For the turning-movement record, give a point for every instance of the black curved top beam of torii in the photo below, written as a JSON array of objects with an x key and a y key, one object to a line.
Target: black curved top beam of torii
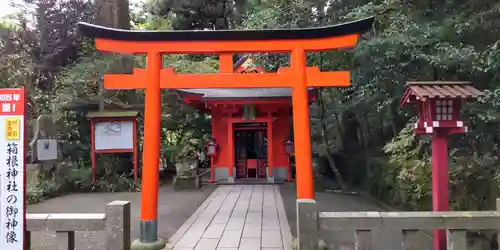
[{"x": 355, "y": 27}]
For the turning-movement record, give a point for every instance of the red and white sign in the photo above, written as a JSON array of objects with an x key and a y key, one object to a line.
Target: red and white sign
[
  {"x": 12, "y": 169},
  {"x": 12, "y": 102}
]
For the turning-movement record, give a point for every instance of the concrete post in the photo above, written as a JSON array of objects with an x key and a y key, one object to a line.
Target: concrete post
[
  {"x": 362, "y": 240},
  {"x": 411, "y": 240},
  {"x": 307, "y": 224},
  {"x": 65, "y": 240},
  {"x": 498, "y": 210},
  {"x": 457, "y": 239},
  {"x": 118, "y": 225},
  {"x": 27, "y": 240}
]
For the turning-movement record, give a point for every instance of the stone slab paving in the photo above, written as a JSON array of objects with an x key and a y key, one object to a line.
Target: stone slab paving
[{"x": 249, "y": 217}]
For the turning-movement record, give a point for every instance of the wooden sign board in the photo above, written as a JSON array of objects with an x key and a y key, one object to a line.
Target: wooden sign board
[
  {"x": 111, "y": 135},
  {"x": 12, "y": 169}
]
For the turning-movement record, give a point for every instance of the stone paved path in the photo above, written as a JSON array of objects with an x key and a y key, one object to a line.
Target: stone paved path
[{"x": 237, "y": 218}]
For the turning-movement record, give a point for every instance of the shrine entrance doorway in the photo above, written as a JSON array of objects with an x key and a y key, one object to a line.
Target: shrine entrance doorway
[{"x": 250, "y": 147}]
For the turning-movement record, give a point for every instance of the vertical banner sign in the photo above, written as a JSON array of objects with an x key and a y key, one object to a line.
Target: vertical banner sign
[{"x": 12, "y": 169}]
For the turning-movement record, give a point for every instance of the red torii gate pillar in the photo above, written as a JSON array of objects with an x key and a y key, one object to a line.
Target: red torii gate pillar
[{"x": 299, "y": 78}]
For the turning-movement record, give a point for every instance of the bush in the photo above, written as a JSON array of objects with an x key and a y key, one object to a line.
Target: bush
[
  {"x": 79, "y": 180},
  {"x": 45, "y": 189},
  {"x": 404, "y": 178}
]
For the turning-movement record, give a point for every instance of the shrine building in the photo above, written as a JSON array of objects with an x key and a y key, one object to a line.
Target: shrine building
[{"x": 251, "y": 127}]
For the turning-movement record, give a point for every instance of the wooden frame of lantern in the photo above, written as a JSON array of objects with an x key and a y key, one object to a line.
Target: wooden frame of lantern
[
  {"x": 289, "y": 150},
  {"x": 212, "y": 152},
  {"x": 439, "y": 105},
  {"x": 105, "y": 139}
]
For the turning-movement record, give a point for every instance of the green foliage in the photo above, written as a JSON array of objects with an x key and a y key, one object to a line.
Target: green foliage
[
  {"x": 46, "y": 189},
  {"x": 408, "y": 171},
  {"x": 189, "y": 151},
  {"x": 78, "y": 180},
  {"x": 198, "y": 14}
]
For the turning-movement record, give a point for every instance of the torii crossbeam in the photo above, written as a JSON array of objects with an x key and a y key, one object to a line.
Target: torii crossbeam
[{"x": 154, "y": 78}]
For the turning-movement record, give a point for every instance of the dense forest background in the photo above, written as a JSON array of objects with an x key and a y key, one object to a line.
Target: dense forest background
[{"x": 360, "y": 131}]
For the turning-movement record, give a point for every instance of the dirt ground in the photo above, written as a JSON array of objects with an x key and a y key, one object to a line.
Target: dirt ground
[
  {"x": 343, "y": 240},
  {"x": 174, "y": 208}
]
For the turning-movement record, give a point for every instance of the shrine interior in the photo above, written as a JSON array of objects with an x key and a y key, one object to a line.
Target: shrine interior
[{"x": 250, "y": 147}]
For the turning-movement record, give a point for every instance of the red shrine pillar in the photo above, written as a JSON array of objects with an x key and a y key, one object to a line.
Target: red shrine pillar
[
  {"x": 151, "y": 153},
  {"x": 226, "y": 66},
  {"x": 440, "y": 200},
  {"x": 302, "y": 127}
]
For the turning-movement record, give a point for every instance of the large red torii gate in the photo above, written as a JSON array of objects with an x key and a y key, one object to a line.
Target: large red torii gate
[{"x": 224, "y": 42}]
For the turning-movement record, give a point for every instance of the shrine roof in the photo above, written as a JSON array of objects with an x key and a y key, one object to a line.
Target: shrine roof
[
  {"x": 112, "y": 114},
  {"x": 239, "y": 93},
  {"x": 96, "y": 31},
  {"x": 437, "y": 89}
]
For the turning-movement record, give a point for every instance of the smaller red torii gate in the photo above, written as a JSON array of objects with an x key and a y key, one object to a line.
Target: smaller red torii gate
[{"x": 154, "y": 78}]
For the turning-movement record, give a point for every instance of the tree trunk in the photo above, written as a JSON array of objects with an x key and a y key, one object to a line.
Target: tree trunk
[
  {"x": 329, "y": 154},
  {"x": 113, "y": 14},
  {"x": 368, "y": 131},
  {"x": 339, "y": 125}
]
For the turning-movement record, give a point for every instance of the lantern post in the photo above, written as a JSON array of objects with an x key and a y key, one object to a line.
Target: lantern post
[
  {"x": 439, "y": 106},
  {"x": 289, "y": 149},
  {"x": 212, "y": 152}
]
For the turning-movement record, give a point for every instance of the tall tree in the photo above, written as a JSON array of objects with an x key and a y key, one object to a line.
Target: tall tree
[
  {"x": 56, "y": 44},
  {"x": 200, "y": 14},
  {"x": 113, "y": 13}
]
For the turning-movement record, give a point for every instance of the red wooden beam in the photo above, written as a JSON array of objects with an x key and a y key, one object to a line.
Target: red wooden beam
[
  {"x": 208, "y": 47},
  {"x": 285, "y": 78}
]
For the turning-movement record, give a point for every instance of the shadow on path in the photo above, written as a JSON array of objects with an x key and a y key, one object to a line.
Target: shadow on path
[{"x": 174, "y": 207}]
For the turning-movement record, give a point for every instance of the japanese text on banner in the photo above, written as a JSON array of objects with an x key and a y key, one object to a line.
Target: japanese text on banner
[
  {"x": 12, "y": 127},
  {"x": 12, "y": 201},
  {"x": 12, "y": 208},
  {"x": 11, "y": 102}
]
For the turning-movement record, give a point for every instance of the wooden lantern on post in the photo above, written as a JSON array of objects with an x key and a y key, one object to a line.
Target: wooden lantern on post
[
  {"x": 439, "y": 106},
  {"x": 212, "y": 152},
  {"x": 111, "y": 133},
  {"x": 289, "y": 149}
]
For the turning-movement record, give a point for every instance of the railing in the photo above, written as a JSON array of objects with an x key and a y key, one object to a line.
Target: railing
[
  {"x": 409, "y": 223},
  {"x": 115, "y": 224}
]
